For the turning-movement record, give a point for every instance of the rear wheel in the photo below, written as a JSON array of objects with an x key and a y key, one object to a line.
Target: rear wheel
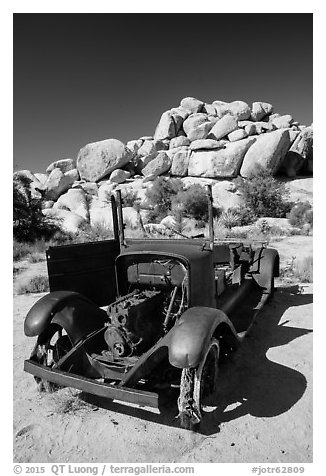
[
  {"x": 198, "y": 388},
  {"x": 50, "y": 348}
]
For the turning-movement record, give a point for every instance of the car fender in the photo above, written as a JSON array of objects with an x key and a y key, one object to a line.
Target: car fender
[
  {"x": 265, "y": 266},
  {"x": 74, "y": 312},
  {"x": 188, "y": 340}
]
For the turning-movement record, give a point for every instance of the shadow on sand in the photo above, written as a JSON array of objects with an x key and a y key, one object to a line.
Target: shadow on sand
[{"x": 249, "y": 382}]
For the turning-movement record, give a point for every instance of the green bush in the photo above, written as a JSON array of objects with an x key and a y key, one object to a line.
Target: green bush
[
  {"x": 193, "y": 201},
  {"x": 161, "y": 195},
  {"x": 263, "y": 195},
  {"x": 300, "y": 214}
]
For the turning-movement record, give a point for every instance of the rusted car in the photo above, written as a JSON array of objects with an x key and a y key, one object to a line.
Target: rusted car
[{"x": 124, "y": 317}]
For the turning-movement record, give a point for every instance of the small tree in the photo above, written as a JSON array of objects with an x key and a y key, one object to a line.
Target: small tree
[
  {"x": 264, "y": 195},
  {"x": 194, "y": 202},
  {"x": 29, "y": 223}
]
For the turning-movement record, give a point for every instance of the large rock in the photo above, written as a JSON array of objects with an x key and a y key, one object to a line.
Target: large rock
[
  {"x": 239, "y": 109},
  {"x": 75, "y": 201},
  {"x": 63, "y": 164},
  {"x": 101, "y": 214},
  {"x": 180, "y": 112},
  {"x": 223, "y": 127},
  {"x": 160, "y": 164},
  {"x": 225, "y": 195},
  {"x": 237, "y": 135},
  {"x": 193, "y": 121},
  {"x": 180, "y": 162},
  {"x": 299, "y": 153},
  {"x": 130, "y": 217},
  {"x": 259, "y": 110},
  {"x": 67, "y": 220},
  {"x": 192, "y": 104},
  {"x": 207, "y": 144},
  {"x": 166, "y": 127},
  {"x": 268, "y": 152},
  {"x": 143, "y": 161},
  {"x": 220, "y": 163},
  {"x": 179, "y": 142},
  {"x": 301, "y": 189},
  {"x": 98, "y": 159},
  {"x": 90, "y": 188},
  {"x": 42, "y": 178},
  {"x": 119, "y": 176},
  {"x": 221, "y": 108},
  {"x": 147, "y": 148},
  {"x": 73, "y": 175},
  {"x": 200, "y": 132},
  {"x": 209, "y": 109},
  {"x": 134, "y": 145},
  {"x": 283, "y": 121},
  {"x": 58, "y": 183},
  {"x": 105, "y": 191}
]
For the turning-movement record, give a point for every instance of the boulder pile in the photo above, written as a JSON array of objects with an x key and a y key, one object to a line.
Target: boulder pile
[{"x": 196, "y": 141}]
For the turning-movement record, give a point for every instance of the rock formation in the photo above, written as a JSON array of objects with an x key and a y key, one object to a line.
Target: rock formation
[{"x": 196, "y": 141}]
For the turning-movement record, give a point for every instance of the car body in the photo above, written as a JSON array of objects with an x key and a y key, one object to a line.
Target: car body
[{"x": 124, "y": 317}]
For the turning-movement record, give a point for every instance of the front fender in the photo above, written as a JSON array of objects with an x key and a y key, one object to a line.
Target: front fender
[
  {"x": 190, "y": 337},
  {"x": 74, "y": 312}
]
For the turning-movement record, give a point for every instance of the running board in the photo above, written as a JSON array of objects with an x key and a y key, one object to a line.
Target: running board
[{"x": 106, "y": 390}]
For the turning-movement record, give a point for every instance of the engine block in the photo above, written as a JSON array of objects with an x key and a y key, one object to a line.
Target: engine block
[{"x": 135, "y": 323}]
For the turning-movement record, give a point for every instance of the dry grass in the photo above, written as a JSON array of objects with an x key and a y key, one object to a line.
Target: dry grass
[
  {"x": 35, "y": 284},
  {"x": 298, "y": 270},
  {"x": 303, "y": 270}
]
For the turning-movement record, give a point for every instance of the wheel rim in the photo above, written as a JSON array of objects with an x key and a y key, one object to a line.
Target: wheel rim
[{"x": 49, "y": 350}]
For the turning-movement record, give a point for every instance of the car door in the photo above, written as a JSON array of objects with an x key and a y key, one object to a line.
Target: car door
[{"x": 87, "y": 268}]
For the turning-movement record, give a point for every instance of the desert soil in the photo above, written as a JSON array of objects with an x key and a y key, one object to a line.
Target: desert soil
[{"x": 264, "y": 410}]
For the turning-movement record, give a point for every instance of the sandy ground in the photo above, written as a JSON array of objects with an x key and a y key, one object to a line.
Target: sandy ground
[{"x": 264, "y": 410}]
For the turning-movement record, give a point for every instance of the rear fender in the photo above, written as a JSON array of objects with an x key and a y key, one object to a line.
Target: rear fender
[
  {"x": 265, "y": 266},
  {"x": 189, "y": 338},
  {"x": 74, "y": 312}
]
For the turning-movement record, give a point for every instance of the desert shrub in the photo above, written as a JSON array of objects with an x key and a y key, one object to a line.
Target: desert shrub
[
  {"x": 37, "y": 257},
  {"x": 161, "y": 195},
  {"x": 263, "y": 195},
  {"x": 36, "y": 284},
  {"x": 193, "y": 202},
  {"x": 229, "y": 218},
  {"x": 97, "y": 232},
  {"x": 245, "y": 215},
  {"x": 61, "y": 238},
  {"x": 301, "y": 213},
  {"x": 130, "y": 199},
  {"x": 29, "y": 223}
]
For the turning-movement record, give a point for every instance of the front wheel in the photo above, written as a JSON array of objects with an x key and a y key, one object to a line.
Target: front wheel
[
  {"x": 51, "y": 346},
  {"x": 198, "y": 387}
]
